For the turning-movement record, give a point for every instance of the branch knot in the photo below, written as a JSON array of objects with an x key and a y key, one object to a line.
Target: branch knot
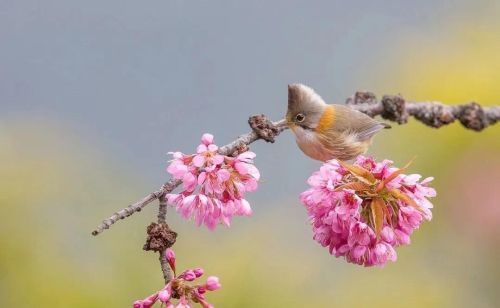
[
  {"x": 394, "y": 108},
  {"x": 160, "y": 237},
  {"x": 472, "y": 116},
  {"x": 365, "y": 102},
  {"x": 362, "y": 98},
  {"x": 434, "y": 114},
  {"x": 263, "y": 127}
]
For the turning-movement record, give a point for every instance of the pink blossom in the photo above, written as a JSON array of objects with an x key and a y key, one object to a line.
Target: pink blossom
[
  {"x": 207, "y": 156},
  {"x": 381, "y": 253},
  {"x": 360, "y": 234},
  {"x": 402, "y": 237},
  {"x": 363, "y": 211},
  {"x": 419, "y": 192},
  {"x": 244, "y": 165},
  {"x": 323, "y": 182},
  {"x": 348, "y": 204},
  {"x": 409, "y": 219},
  {"x": 181, "y": 287},
  {"x": 177, "y": 168},
  {"x": 214, "y": 185},
  {"x": 356, "y": 254},
  {"x": 388, "y": 235}
]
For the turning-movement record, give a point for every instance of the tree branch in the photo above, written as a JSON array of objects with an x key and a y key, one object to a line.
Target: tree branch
[
  {"x": 162, "y": 215},
  {"x": 162, "y": 210},
  {"x": 435, "y": 114},
  {"x": 265, "y": 132},
  {"x": 136, "y": 207},
  {"x": 391, "y": 107}
]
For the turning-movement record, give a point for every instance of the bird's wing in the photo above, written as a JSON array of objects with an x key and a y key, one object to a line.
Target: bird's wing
[{"x": 355, "y": 122}]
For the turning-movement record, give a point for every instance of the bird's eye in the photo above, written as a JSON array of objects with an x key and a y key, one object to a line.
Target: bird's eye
[{"x": 300, "y": 117}]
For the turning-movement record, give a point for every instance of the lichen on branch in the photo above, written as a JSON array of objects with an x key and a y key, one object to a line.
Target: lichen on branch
[{"x": 435, "y": 114}]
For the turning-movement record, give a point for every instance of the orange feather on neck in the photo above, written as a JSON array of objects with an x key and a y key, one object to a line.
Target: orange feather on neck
[{"x": 326, "y": 120}]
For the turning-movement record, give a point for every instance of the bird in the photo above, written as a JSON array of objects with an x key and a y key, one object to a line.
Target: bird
[{"x": 324, "y": 132}]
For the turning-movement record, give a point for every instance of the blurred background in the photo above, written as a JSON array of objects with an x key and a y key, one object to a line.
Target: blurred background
[{"x": 94, "y": 94}]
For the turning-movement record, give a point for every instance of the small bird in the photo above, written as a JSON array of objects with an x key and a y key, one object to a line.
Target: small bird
[{"x": 325, "y": 132}]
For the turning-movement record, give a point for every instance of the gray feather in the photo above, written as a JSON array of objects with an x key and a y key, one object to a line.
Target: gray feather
[{"x": 348, "y": 119}]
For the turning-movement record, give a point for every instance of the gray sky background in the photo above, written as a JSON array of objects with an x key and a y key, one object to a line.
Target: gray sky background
[{"x": 137, "y": 79}]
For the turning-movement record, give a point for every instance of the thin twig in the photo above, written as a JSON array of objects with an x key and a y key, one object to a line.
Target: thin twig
[
  {"x": 171, "y": 184},
  {"x": 162, "y": 210},
  {"x": 165, "y": 267},
  {"x": 136, "y": 207},
  {"x": 162, "y": 215}
]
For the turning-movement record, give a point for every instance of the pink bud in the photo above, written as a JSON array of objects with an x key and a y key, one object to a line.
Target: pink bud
[
  {"x": 195, "y": 294},
  {"x": 170, "y": 256},
  {"x": 138, "y": 304},
  {"x": 207, "y": 139},
  {"x": 213, "y": 283},
  {"x": 201, "y": 290},
  {"x": 198, "y": 272},
  {"x": 188, "y": 275},
  {"x": 150, "y": 301},
  {"x": 164, "y": 295}
]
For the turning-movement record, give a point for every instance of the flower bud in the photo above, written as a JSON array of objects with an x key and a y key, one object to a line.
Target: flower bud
[
  {"x": 164, "y": 295},
  {"x": 188, "y": 275},
  {"x": 213, "y": 283},
  {"x": 170, "y": 256},
  {"x": 207, "y": 139},
  {"x": 201, "y": 290},
  {"x": 198, "y": 272}
]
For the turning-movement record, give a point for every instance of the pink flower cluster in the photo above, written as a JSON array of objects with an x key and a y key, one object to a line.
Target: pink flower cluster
[
  {"x": 179, "y": 288},
  {"x": 214, "y": 185},
  {"x": 363, "y": 211}
]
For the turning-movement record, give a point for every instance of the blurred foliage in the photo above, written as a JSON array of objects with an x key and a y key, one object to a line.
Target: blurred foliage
[{"x": 55, "y": 187}]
